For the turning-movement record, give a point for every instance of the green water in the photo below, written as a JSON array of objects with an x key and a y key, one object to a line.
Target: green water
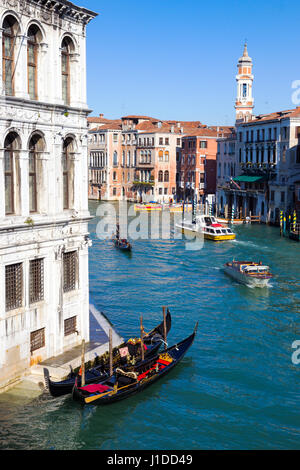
[{"x": 237, "y": 387}]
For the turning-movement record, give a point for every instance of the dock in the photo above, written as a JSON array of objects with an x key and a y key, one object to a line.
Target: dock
[{"x": 59, "y": 367}]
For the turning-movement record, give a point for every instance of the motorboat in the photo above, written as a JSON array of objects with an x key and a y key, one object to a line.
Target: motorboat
[
  {"x": 208, "y": 227},
  {"x": 150, "y": 206},
  {"x": 249, "y": 273}
]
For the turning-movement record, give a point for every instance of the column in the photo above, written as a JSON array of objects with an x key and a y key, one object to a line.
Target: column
[
  {"x": 21, "y": 75},
  {"x": 2, "y": 184},
  {"x": 24, "y": 182}
]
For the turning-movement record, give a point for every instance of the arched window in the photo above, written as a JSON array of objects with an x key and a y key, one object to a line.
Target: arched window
[
  {"x": 36, "y": 146},
  {"x": 11, "y": 172},
  {"x": 160, "y": 176},
  {"x": 166, "y": 156},
  {"x": 10, "y": 27},
  {"x": 34, "y": 37},
  {"x": 128, "y": 158},
  {"x": 161, "y": 155},
  {"x": 115, "y": 158},
  {"x": 166, "y": 177},
  {"x": 68, "y": 173},
  {"x": 66, "y": 49}
]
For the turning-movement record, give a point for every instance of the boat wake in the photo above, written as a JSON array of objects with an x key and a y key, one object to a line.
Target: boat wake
[{"x": 252, "y": 245}]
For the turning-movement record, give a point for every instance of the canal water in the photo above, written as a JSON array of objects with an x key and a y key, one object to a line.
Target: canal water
[{"x": 237, "y": 387}]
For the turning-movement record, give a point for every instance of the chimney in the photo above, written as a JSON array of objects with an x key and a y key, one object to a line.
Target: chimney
[
  {"x": 172, "y": 129},
  {"x": 101, "y": 115}
]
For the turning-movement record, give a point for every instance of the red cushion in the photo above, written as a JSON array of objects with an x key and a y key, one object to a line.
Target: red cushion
[{"x": 95, "y": 388}]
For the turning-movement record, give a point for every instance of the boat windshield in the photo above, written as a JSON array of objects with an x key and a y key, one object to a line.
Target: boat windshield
[
  {"x": 209, "y": 220},
  {"x": 256, "y": 269}
]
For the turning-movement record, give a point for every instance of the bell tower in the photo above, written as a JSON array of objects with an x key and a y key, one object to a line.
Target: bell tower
[{"x": 244, "y": 102}]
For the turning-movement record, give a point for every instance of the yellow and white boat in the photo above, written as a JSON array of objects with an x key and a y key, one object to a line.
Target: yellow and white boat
[
  {"x": 179, "y": 208},
  {"x": 207, "y": 226},
  {"x": 150, "y": 206}
]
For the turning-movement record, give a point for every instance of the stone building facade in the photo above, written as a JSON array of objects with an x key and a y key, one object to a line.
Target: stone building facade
[
  {"x": 44, "y": 296},
  {"x": 259, "y": 164}
]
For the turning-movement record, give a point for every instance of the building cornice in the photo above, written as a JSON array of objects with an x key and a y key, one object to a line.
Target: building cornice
[{"x": 62, "y": 8}]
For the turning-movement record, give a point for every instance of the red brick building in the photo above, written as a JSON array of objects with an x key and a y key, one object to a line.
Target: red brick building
[{"x": 197, "y": 164}]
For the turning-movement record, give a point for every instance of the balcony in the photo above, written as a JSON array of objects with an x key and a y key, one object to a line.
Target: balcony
[{"x": 145, "y": 164}]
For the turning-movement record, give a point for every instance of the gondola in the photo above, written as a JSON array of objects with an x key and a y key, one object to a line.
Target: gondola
[
  {"x": 152, "y": 341},
  {"x": 131, "y": 380},
  {"x": 122, "y": 244}
]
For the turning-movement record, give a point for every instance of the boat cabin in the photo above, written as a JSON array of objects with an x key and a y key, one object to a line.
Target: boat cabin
[{"x": 248, "y": 267}]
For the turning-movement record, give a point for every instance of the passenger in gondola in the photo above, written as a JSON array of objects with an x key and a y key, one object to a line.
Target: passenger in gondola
[{"x": 118, "y": 231}]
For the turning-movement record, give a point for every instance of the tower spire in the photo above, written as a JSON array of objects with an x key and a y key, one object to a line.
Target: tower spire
[{"x": 244, "y": 102}]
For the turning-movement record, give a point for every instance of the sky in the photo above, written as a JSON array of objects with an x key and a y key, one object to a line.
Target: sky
[{"x": 177, "y": 60}]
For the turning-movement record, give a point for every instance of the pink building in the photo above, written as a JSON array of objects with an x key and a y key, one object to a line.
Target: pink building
[{"x": 138, "y": 158}]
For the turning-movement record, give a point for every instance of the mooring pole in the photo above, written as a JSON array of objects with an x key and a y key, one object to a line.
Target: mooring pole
[
  {"x": 110, "y": 353},
  {"x": 83, "y": 363},
  {"x": 142, "y": 339},
  {"x": 165, "y": 327}
]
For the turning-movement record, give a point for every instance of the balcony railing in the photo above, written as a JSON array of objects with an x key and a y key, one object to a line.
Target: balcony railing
[{"x": 138, "y": 182}]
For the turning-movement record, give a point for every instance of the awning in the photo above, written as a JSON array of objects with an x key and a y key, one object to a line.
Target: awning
[{"x": 248, "y": 179}]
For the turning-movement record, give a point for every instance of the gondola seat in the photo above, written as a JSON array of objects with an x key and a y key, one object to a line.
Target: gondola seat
[{"x": 93, "y": 388}]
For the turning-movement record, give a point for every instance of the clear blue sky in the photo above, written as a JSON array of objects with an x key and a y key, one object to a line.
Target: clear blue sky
[{"x": 174, "y": 59}]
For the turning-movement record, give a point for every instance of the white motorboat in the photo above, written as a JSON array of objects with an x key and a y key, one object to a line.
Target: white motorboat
[
  {"x": 249, "y": 273},
  {"x": 207, "y": 226}
]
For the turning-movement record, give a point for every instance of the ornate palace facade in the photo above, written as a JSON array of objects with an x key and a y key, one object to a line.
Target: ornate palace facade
[{"x": 44, "y": 300}]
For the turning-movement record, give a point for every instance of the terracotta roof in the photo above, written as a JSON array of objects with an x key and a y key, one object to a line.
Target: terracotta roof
[
  {"x": 113, "y": 125},
  {"x": 277, "y": 116},
  {"x": 140, "y": 117}
]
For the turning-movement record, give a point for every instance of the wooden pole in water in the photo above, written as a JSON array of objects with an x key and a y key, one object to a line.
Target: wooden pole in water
[
  {"x": 110, "y": 353},
  {"x": 142, "y": 339},
  {"x": 165, "y": 327},
  {"x": 83, "y": 363}
]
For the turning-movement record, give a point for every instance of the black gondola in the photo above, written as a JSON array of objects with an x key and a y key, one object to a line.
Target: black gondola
[
  {"x": 152, "y": 341},
  {"x": 122, "y": 244},
  {"x": 131, "y": 380}
]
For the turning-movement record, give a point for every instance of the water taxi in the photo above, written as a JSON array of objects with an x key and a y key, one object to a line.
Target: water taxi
[
  {"x": 249, "y": 273},
  {"x": 150, "y": 206},
  {"x": 207, "y": 226},
  {"x": 179, "y": 208}
]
